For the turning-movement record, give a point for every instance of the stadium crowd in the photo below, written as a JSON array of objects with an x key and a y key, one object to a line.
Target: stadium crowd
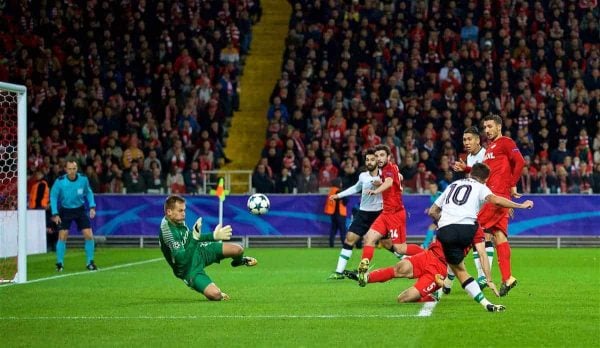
[
  {"x": 415, "y": 74},
  {"x": 138, "y": 92},
  {"x": 147, "y": 115}
]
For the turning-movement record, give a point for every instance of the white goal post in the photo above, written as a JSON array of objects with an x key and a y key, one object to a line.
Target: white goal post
[{"x": 10, "y": 90}]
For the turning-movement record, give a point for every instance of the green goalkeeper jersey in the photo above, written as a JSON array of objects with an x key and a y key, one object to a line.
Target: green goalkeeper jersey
[{"x": 178, "y": 246}]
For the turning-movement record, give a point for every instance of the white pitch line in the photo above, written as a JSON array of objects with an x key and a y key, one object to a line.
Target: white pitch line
[
  {"x": 428, "y": 307},
  {"x": 196, "y": 317},
  {"x": 85, "y": 272}
]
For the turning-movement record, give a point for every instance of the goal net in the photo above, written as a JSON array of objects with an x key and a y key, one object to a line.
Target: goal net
[{"x": 13, "y": 183}]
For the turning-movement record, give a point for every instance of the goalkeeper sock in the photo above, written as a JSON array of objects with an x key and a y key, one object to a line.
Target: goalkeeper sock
[
  {"x": 368, "y": 252},
  {"x": 382, "y": 275},
  {"x": 504, "y": 260},
  {"x": 428, "y": 238},
  {"x": 345, "y": 255},
  {"x": 89, "y": 247},
  {"x": 61, "y": 249},
  {"x": 472, "y": 288}
]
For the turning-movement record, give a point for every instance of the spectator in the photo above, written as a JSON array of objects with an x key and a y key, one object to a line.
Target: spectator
[
  {"x": 152, "y": 159},
  {"x": 193, "y": 178},
  {"x": 134, "y": 180},
  {"x": 409, "y": 170},
  {"x": 133, "y": 152},
  {"x": 175, "y": 181},
  {"x": 595, "y": 179},
  {"x": 558, "y": 155},
  {"x": 155, "y": 182},
  {"x": 285, "y": 182},
  {"x": 307, "y": 181},
  {"x": 327, "y": 173},
  {"x": 261, "y": 181}
]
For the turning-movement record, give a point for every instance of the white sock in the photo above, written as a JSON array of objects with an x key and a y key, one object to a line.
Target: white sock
[
  {"x": 345, "y": 255},
  {"x": 475, "y": 292},
  {"x": 490, "y": 254},
  {"x": 451, "y": 274},
  {"x": 478, "y": 264}
]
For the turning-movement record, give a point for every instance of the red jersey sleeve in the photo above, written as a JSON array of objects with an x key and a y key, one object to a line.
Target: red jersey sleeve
[{"x": 515, "y": 159}]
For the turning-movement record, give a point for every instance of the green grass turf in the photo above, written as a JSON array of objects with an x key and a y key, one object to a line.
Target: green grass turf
[{"x": 286, "y": 301}]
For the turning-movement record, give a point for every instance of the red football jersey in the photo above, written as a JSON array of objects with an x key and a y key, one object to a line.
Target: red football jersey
[
  {"x": 505, "y": 162},
  {"x": 436, "y": 249},
  {"x": 392, "y": 197}
]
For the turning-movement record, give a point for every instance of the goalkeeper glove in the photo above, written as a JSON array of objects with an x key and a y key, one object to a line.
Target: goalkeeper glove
[
  {"x": 197, "y": 228},
  {"x": 222, "y": 233}
]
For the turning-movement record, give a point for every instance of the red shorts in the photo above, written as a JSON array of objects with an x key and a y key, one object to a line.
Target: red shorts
[
  {"x": 425, "y": 267},
  {"x": 392, "y": 225},
  {"x": 492, "y": 217}
]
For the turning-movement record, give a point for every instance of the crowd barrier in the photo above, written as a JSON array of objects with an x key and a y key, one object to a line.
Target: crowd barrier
[{"x": 302, "y": 215}]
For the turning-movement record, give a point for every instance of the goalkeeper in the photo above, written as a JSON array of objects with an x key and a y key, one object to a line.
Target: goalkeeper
[{"x": 188, "y": 252}]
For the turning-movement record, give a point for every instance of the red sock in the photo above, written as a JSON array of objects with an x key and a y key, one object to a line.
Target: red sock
[
  {"x": 368, "y": 252},
  {"x": 426, "y": 298},
  {"x": 413, "y": 249},
  {"x": 381, "y": 275},
  {"x": 503, "y": 251}
]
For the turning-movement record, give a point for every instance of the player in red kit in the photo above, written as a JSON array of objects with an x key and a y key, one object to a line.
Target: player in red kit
[
  {"x": 428, "y": 267},
  {"x": 506, "y": 162},
  {"x": 392, "y": 220}
]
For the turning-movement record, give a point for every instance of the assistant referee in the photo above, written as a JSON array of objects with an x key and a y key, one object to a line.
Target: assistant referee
[{"x": 67, "y": 202}]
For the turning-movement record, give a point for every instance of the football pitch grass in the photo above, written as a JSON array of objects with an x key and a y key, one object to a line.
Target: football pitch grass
[{"x": 287, "y": 301}]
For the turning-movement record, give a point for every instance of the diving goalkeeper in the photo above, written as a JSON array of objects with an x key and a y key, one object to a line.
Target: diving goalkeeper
[{"x": 188, "y": 252}]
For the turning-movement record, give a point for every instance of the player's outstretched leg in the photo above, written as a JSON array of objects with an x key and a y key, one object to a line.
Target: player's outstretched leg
[
  {"x": 244, "y": 261},
  {"x": 236, "y": 252},
  {"x": 495, "y": 308},
  {"x": 506, "y": 286},
  {"x": 472, "y": 288},
  {"x": 363, "y": 278},
  {"x": 447, "y": 288},
  {"x": 336, "y": 276},
  {"x": 363, "y": 269},
  {"x": 352, "y": 275}
]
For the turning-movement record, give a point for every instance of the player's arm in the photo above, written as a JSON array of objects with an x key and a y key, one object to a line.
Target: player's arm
[
  {"x": 54, "y": 193},
  {"x": 435, "y": 212},
  {"x": 387, "y": 183},
  {"x": 485, "y": 265},
  {"x": 89, "y": 195},
  {"x": 461, "y": 166},
  {"x": 517, "y": 162},
  {"x": 506, "y": 203},
  {"x": 349, "y": 191},
  {"x": 220, "y": 232}
]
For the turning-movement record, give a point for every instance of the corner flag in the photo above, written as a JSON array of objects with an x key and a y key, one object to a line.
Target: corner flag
[{"x": 220, "y": 191}]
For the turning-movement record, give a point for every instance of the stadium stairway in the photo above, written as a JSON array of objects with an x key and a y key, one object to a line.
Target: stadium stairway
[{"x": 246, "y": 135}]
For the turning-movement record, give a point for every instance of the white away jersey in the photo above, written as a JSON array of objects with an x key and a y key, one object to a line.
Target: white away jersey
[
  {"x": 476, "y": 158},
  {"x": 364, "y": 183},
  {"x": 461, "y": 201}
]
